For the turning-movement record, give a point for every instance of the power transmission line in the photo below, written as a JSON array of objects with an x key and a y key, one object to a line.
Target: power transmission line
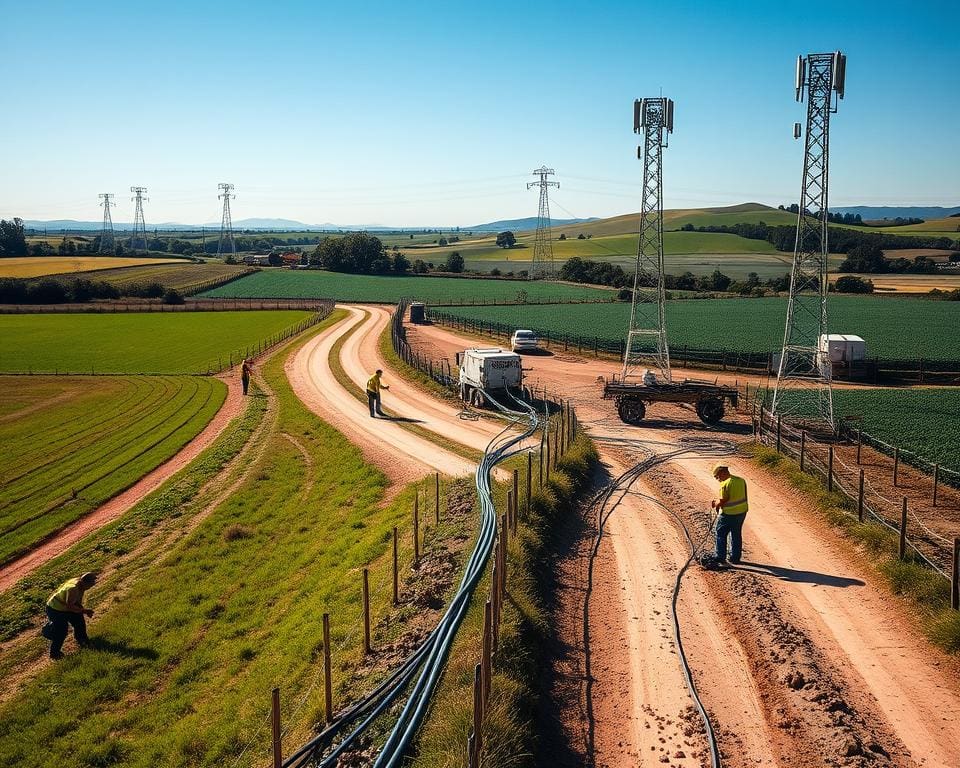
[
  {"x": 107, "y": 244},
  {"x": 804, "y": 389},
  {"x": 139, "y": 240},
  {"x": 543, "y": 265},
  {"x": 227, "y": 246},
  {"x": 647, "y": 335}
]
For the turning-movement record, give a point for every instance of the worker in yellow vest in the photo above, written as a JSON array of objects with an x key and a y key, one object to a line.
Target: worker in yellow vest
[
  {"x": 732, "y": 511},
  {"x": 374, "y": 385},
  {"x": 65, "y": 609}
]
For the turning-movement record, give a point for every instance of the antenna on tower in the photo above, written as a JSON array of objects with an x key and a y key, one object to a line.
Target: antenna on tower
[
  {"x": 804, "y": 389},
  {"x": 543, "y": 265},
  {"x": 139, "y": 240},
  {"x": 107, "y": 244},
  {"x": 227, "y": 246},
  {"x": 647, "y": 335}
]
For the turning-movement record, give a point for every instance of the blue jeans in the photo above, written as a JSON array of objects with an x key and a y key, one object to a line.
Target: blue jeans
[
  {"x": 59, "y": 623},
  {"x": 732, "y": 526}
]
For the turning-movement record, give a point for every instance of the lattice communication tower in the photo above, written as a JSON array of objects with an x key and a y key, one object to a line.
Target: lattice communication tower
[
  {"x": 543, "y": 264},
  {"x": 139, "y": 240},
  {"x": 646, "y": 346},
  {"x": 107, "y": 241},
  {"x": 803, "y": 392},
  {"x": 227, "y": 246}
]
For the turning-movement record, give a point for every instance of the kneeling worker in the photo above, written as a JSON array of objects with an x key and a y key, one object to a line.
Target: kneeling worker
[
  {"x": 374, "y": 385},
  {"x": 732, "y": 508},
  {"x": 65, "y": 608}
]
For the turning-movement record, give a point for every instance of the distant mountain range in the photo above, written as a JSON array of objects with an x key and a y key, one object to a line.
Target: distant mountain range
[{"x": 875, "y": 212}]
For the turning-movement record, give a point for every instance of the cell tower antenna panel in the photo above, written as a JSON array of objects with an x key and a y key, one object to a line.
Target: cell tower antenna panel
[
  {"x": 804, "y": 389},
  {"x": 107, "y": 241},
  {"x": 139, "y": 240},
  {"x": 543, "y": 264},
  {"x": 646, "y": 346},
  {"x": 227, "y": 246}
]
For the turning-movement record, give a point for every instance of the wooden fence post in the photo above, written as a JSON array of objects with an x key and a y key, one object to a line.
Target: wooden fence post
[
  {"x": 516, "y": 496},
  {"x": 486, "y": 649},
  {"x": 547, "y": 441},
  {"x": 903, "y": 529},
  {"x": 779, "y": 421},
  {"x": 529, "y": 483},
  {"x": 896, "y": 465},
  {"x": 509, "y": 514},
  {"x": 936, "y": 482},
  {"x": 416, "y": 529},
  {"x": 275, "y": 723},
  {"x": 327, "y": 682},
  {"x": 803, "y": 445},
  {"x": 366, "y": 611},
  {"x": 860, "y": 499},
  {"x": 436, "y": 495},
  {"x": 955, "y": 581},
  {"x": 859, "y": 443},
  {"x": 540, "y": 459},
  {"x": 396, "y": 574},
  {"x": 830, "y": 468}
]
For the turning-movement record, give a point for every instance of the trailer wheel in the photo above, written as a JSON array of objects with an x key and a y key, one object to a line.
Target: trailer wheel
[
  {"x": 631, "y": 410},
  {"x": 710, "y": 410}
]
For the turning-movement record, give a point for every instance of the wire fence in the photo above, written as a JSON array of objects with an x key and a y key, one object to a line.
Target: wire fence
[
  {"x": 818, "y": 457},
  {"x": 157, "y": 305},
  {"x": 875, "y": 370}
]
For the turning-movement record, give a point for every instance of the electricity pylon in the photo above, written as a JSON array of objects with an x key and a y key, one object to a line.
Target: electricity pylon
[
  {"x": 543, "y": 265},
  {"x": 227, "y": 246},
  {"x": 804, "y": 389},
  {"x": 139, "y": 240},
  {"x": 646, "y": 346},
  {"x": 107, "y": 244}
]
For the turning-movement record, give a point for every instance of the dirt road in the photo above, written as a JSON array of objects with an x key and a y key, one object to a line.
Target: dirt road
[
  {"x": 802, "y": 658},
  {"x": 119, "y": 504}
]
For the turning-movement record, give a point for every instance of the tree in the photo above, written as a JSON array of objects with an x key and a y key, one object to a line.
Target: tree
[
  {"x": 852, "y": 284},
  {"x": 581, "y": 236},
  {"x": 420, "y": 267},
  {"x": 454, "y": 262},
  {"x": 443, "y": 242},
  {"x": 401, "y": 264},
  {"x": 13, "y": 242},
  {"x": 563, "y": 236},
  {"x": 506, "y": 239},
  {"x": 866, "y": 257}
]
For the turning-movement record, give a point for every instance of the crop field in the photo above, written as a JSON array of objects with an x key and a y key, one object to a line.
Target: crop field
[
  {"x": 924, "y": 421},
  {"x": 180, "y": 669},
  {"x": 181, "y": 277},
  {"x": 149, "y": 342},
  {"x": 38, "y": 266},
  {"x": 900, "y": 328},
  {"x": 302, "y": 284},
  {"x": 71, "y": 443}
]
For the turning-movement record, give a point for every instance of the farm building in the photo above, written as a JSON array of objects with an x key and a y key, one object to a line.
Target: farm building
[{"x": 257, "y": 260}]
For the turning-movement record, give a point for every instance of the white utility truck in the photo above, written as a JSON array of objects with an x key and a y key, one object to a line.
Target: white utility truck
[{"x": 491, "y": 370}]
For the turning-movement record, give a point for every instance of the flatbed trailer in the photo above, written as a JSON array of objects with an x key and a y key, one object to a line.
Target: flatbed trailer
[{"x": 632, "y": 398}]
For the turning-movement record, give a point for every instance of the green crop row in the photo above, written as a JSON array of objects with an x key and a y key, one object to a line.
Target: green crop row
[
  {"x": 892, "y": 328},
  {"x": 310, "y": 284},
  {"x": 99, "y": 437}
]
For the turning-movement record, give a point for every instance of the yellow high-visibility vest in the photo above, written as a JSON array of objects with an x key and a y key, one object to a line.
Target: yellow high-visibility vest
[
  {"x": 58, "y": 600},
  {"x": 733, "y": 496},
  {"x": 373, "y": 383}
]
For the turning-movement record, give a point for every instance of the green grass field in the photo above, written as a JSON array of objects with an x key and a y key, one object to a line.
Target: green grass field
[
  {"x": 182, "y": 664},
  {"x": 924, "y": 421},
  {"x": 342, "y": 287},
  {"x": 149, "y": 342},
  {"x": 893, "y": 328},
  {"x": 71, "y": 443}
]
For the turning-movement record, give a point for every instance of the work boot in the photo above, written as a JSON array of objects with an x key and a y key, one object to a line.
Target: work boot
[
  {"x": 56, "y": 655},
  {"x": 47, "y": 631}
]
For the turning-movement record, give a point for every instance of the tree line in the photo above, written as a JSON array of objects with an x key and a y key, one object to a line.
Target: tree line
[
  {"x": 50, "y": 290},
  {"x": 361, "y": 253}
]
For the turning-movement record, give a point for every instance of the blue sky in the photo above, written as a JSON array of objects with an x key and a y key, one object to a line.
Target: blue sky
[{"x": 435, "y": 113}]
